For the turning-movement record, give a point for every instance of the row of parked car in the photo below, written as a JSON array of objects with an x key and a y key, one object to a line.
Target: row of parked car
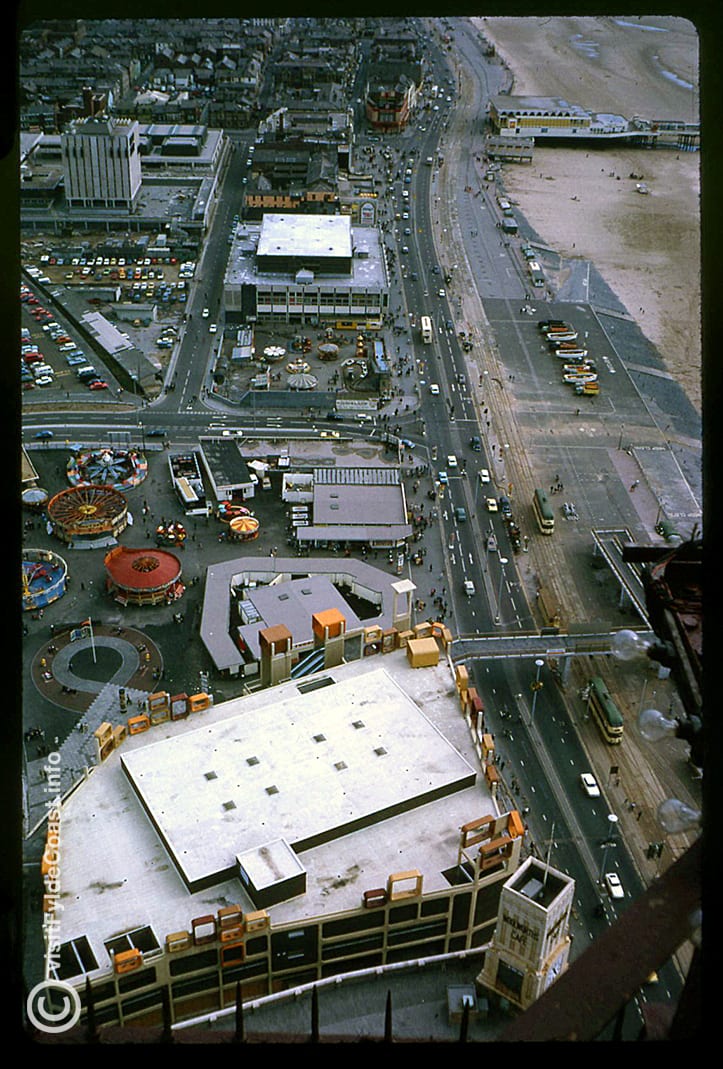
[{"x": 34, "y": 368}]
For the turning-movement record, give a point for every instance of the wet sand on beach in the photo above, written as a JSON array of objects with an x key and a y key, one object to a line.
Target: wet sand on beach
[{"x": 582, "y": 202}]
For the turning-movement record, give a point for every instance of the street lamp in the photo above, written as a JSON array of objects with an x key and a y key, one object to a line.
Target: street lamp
[
  {"x": 609, "y": 841},
  {"x": 536, "y": 686},
  {"x": 503, "y": 561}
]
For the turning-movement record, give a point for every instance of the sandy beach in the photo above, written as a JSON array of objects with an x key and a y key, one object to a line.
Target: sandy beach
[{"x": 582, "y": 201}]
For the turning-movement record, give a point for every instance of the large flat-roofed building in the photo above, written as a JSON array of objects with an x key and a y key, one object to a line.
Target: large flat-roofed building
[
  {"x": 361, "y": 505},
  {"x": 323, "y": 245},
  {"x": 305, "y": 268},
  {"x": 347, "y": 821}
]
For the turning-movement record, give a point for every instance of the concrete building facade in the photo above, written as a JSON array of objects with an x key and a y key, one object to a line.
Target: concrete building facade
[{"x": 102, "y": 163}]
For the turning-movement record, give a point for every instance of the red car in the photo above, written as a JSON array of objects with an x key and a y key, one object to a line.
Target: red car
[{"x": 98, "y": 384}]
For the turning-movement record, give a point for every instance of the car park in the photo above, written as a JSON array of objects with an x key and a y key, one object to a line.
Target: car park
[
  {"x": 614, "y": 886},
  {"x": 589, "y": 785},
  {"x": 491, "y": 504}
]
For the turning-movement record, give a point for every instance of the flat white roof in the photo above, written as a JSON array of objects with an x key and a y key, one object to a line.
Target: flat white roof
[
  {"x": 307, "y": 769},
  {"x": 117, "y": 875},
  {"x": 305, "y": 235}
]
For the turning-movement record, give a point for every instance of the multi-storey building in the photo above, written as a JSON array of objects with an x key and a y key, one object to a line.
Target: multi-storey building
[
  {"x": 344, "y": 822},
  {"x": 102, "y": 163}
]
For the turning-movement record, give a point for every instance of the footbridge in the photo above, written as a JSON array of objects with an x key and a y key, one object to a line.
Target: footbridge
[{"x": 560, "y": 647}]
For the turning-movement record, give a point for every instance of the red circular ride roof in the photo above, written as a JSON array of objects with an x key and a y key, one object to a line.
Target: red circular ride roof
[{"x": 142, "y": 569}]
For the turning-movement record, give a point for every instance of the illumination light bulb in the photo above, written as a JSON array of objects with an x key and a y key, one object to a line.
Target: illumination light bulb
[
  {"x": 626, "y": 645},
  {"x": 696, "y": 927},
  {"x": 654, "y": 725},
  {"x": 675, "y": 816}
]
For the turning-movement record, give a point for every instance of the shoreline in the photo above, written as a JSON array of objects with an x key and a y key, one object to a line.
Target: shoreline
[{"x": 583, "y": 202}]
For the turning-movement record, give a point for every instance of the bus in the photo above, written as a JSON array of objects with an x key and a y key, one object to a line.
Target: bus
[
  {"x": 359, "y": 324},
  {"x": 605, "y": 712},
  {"x": 426, "y": 328},
  {"x": 543, "y": 512}
]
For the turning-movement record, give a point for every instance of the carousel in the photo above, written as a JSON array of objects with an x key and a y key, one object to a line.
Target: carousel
[
  {"x": 44, "y": 578},
  {"x": 243, "y": 529},
  {"x": 35, "y": 498},
  {"x": 143, "y": 576},
  {"x": 171, "y": 534},
  {"x": 87, "y": 512},
  {"x": 328, "y": 350},
  {"x": 302, "y": 381},
  {"x": 241, "y": 522},
  {"x": 121, "y": 469},
  {"x": 272, "y": 353}
]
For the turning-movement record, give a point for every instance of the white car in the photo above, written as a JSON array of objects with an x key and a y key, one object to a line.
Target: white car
[
  {"x": 45, "y": 380},
  {"x": 491, "y": 504},
  {"x": 434, "y": 389},
  {"x": 451, "y": 461},
  {"x": 205, "y": 313},
  {"x": 442, "y": 293},
  {"x": 442, "y": 477},
  {"x": 614, "y": 886},
  {"x": 589, "y": 785},
  {"x": 484, "y": 476},
  {"x": 212, "y": 328}
]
